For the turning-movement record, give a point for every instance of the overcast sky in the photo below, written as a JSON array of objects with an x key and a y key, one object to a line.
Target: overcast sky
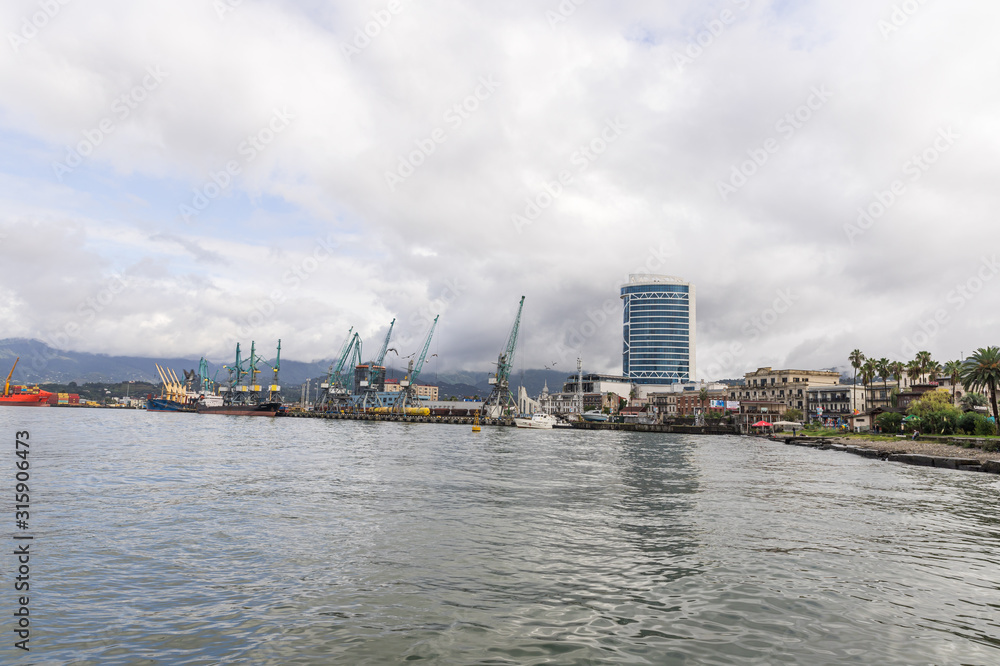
[{"x": 177, "y": 176}]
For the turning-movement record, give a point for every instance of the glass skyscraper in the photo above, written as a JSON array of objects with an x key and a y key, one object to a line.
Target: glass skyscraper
[{"x": 658, "y": 330}]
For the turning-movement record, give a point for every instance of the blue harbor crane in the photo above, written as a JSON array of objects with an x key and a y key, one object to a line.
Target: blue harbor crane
[
  {"x": 370, "y": 378},
  {"x": 408, "y": 394},
  {"x": 500, "y": 400},
  {"x": 337, "y": 387}
]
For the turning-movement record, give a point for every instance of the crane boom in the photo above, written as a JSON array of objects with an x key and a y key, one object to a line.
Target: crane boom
[
  {"x": 384, "y": 348},
  {"x": 423, "y": 354},
  {"x": 6, "y": 386},
  {"x": 500, "y": 400},
  {"x": 506, "y": 359},
  {"x": 338, "y": 365}
]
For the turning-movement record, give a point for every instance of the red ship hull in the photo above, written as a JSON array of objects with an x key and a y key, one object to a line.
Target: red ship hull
[{"x": 21, "y": 396}]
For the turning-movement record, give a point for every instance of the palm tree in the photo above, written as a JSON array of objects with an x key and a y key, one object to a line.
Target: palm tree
[
  {"x": 856, "y": 358},
  {"x": 952, "y": 369},
  {"x": 703, "y": 398},
  {"x": 868, "y": 372},
  {"x": 913, "y": 371},
  {"x": 882, "y": 365},
  {"x": 898, "y": 370},
  {"x": 982, "y": 370},
  {"x": 924, "y": 359}
]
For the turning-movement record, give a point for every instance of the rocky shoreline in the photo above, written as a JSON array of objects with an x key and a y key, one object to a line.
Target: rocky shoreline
[{"x": 929, "y": 454}]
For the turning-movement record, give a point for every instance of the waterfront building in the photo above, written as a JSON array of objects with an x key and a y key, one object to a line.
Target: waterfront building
[
  {"x": 836, "y": 402},
  {"x": 600, "y": 384},
  {"x": 785, "y": 386},
  {"x": 658, "y": 330}
]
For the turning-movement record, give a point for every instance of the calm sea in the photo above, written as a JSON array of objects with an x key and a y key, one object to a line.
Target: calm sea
[{"x": 186, "y": 539}]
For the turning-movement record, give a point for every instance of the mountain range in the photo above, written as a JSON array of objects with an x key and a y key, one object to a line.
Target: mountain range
[{"x": 42, "y": 364}]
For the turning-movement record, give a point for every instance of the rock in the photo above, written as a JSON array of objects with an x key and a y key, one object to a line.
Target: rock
[{"x": 992, "y": 466}]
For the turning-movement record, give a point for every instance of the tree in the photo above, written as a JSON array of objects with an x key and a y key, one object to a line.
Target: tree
[
  {"x": 971, "y": 400},
  {"x": 924, "y": 360},
  {"x": 934, "y": 370},
  {"x": 882, "y": 365},
  {"x": 953, "y": 369},
  {"x": 913, "y": 371},
  {"x": 982, "y": 371},
  {"x": 932, "y": 402},
  {"x": 793, "y": 414},
  {"x": 868, "y": 373},
  {"x": 703, "y": 398},
  {"x": 889, "y": 421},
  {"x": 898, "y": 370},
  {"x": 856, "y": 358}
]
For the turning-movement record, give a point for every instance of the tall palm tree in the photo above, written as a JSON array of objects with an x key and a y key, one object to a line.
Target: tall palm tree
[
  {"x": 882, "y": 365},
  {"x": 898, "y": 370},
  {"x": 913, "y": 371},
  {"x": 856, "y": 358},
  {"x": 868, "y": 372},
  {"x": 982, "y": 371},
  {"x": 925, "y": 360},
  {"x": 934, "y": 370},
  {"x": 953, "y": 369}
]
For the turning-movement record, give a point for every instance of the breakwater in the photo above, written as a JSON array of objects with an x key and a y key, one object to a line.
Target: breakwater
[{"x": 966, "y": 464}]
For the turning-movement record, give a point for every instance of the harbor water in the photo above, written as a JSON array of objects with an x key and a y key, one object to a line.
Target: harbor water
[{"x": 188, "y": 539}]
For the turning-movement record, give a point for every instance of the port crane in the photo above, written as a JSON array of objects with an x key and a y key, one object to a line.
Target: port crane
[
  {"x": 500, "y": 400},
  {"x": 408, "y": 395},
  {"x": 337, "y": 387},
  {"x": 6, "y": 384},
  {"x": 373, "y": 378}
]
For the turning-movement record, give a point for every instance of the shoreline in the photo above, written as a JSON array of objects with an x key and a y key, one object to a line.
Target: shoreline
[{"x": 914, "y": 452}]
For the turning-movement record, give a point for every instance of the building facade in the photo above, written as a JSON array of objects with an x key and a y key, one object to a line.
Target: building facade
[
  {"x": 785, "y": 386},
  {"x": 423, "y": 392},
  {"x": 658, "y": 330},
  {"x": 836, "y": 403}
]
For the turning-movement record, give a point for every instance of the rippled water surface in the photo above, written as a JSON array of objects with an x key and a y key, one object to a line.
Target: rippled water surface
[{"x": 187, "y": 539}]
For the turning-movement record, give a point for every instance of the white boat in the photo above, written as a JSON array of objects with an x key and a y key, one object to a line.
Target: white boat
[
  {"x": 596, "y": 416},
  {"x": 539, "y": 421}
]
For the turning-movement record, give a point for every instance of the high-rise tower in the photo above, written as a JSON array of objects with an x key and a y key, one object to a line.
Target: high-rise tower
[{"x": 658, "y": 330}]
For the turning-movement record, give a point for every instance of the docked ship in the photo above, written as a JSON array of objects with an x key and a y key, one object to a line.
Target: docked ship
[
  {"x": 195, "y": 392},
  {"x": 23, "y": 396},
  {"x": 242, "y": 395}
]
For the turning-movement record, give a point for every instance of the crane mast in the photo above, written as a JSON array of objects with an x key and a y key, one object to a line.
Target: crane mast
[
  {"x": 500, "y": 399},
  {"x": 407, "y": 394}
]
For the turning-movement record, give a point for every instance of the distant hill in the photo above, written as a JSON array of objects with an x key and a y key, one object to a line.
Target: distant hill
[{"x": 40, "y": 363}]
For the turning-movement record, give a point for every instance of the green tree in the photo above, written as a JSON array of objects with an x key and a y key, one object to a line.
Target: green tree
[
  {"x": 703, "y": 398},
  {"x": 856, "y": 358},
  {"x": 913, "y": 371},
  {"x": 924, "y": 360},
  {"x": 952, "y": 369},
  {"x": 889, "y": 421},
  {"x": 898, "y": 370},
  {"x": 932, "y": 401},
  {"x": 982, "y": 371},
  {"x": 793, "y": 414},
  {"x": 971, "y": 400},
  {"x": 883, "y": 365},
  {"x": 868, "y": 372}
]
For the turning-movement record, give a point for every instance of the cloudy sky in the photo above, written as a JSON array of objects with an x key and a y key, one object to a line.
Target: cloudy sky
[{"x": 177, "y": 176}]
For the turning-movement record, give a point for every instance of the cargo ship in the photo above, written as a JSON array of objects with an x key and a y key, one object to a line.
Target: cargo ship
[
  {"x": 242, "y": 395},
  {"x": 23, "y": 396}
]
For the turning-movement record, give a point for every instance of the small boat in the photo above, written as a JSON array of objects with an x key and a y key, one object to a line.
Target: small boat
[
  {"x": 537, "y": 421},
  {"x": 595, "y": 416}
]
